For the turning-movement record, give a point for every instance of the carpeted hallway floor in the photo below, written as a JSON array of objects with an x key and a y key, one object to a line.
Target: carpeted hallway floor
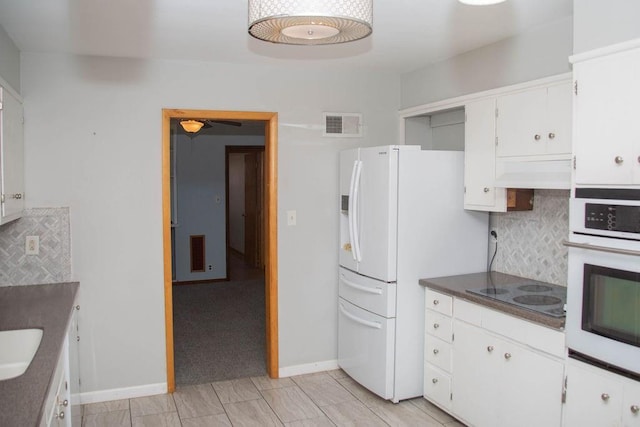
[{"x": 219, "y": 331}]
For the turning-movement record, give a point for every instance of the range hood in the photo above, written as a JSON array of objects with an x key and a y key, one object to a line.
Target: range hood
[{"x": 523, "y": 173}]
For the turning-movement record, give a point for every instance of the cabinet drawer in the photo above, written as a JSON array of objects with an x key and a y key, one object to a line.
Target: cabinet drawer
[
  {"x": 438, "y": 325},
  {"x": 437, "y": 352},
  {"x": 437, "y": 386},
  {"x": 439, "y": 302}
]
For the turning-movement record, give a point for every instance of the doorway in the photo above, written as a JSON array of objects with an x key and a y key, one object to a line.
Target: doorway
[{"x": 268, "y": 222}]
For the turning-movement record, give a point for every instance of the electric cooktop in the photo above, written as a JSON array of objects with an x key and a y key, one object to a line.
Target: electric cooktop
[{"x": 540, "y": 297}]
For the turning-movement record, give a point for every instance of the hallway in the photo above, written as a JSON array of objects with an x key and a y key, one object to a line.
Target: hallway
[{"x": 219, "y": 327}]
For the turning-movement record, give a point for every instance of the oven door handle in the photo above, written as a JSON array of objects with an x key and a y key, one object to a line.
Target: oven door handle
[{"x": 601, "y": 248}]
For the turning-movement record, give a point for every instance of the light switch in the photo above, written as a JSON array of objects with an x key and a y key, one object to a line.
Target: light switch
[
  {"x": 32, "y": 245},
  {"x": 291, "y": 217}
]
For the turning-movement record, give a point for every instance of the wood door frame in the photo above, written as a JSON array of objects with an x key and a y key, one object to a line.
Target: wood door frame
[
  {"x": 270, "y": 227},
  {"x": 231, "y": 149}
]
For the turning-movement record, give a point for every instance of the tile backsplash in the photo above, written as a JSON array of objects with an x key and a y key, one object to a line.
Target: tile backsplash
[
  {"x": 52, "y": 264},
  {"x": 530, "y": 242}
]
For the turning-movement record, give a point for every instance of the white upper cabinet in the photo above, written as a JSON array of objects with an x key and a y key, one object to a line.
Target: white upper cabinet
[
  {"x": 11, "y": 156},
  {"x": 479, "y": 158},
  {"x": 535, "y": 122},
  {"x": 606, "y": 123}
]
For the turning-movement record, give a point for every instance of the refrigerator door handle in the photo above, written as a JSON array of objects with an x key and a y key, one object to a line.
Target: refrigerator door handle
[
  {"x": 351, "y": 211},
  {"x": 356, "y": 226},
  {"x": 377, "y": 291},
  {"x": 356, "y": 319}
]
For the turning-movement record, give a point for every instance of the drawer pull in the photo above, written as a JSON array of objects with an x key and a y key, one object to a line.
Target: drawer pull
[
  {"x": 489, "y": 348},
  {"x": 436, "y": 326},
  {"x": 436, "y": 302},
  {"x": 619, "y": 160},
  {"x": 552, "y": 135},
  {"x": 507, "y": 356},
  {"x": 605, "y": 397},
  {"x": 537, "y": 137},
  {"x": 434, "y": 380},
  {"x": 634, "y": 409},
  {"x": 436, "y": 351}
]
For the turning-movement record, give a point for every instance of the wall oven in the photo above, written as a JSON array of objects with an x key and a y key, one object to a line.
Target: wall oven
[{"x": 603, "y": 292}]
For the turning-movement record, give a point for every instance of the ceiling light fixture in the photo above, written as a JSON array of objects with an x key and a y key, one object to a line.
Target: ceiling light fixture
[
  {"x": 191, "y": 126},
  {"x": 310, "y": 22},
  {"x": 480, "y": 2}
]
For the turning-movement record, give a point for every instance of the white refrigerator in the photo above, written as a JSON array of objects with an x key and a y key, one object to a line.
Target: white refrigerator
[{"x": 401, "y": 219}]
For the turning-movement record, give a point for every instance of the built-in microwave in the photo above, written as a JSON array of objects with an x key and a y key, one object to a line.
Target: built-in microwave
[{"x": 603, "y": 290}]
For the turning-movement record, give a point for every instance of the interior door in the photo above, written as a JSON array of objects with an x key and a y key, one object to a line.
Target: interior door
[{"x": 251, "y": 209}]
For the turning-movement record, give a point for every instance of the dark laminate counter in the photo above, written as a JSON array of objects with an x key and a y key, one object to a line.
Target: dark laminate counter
[
  {"x": 457, "y": 286},
  {"x": 47, "y": 307}
]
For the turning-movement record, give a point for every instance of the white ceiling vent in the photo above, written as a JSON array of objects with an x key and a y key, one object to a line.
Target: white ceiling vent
[{"x": 342, "y": 124}]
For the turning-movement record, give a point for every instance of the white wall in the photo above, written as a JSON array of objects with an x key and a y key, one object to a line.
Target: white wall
[
  {"x": 93, "y": 143},
  {"x": 9, "y": 61},
  {"x": 200, "y": 174},
  {"x": 541, "y": 52},
  {"x": 600, "y": 23}
]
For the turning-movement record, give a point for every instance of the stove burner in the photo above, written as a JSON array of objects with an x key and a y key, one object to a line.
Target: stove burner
[
  {"x": 493, "y": 291},
  {"x": 537, "y": 300},
  {"x": 535, "y": 288}
]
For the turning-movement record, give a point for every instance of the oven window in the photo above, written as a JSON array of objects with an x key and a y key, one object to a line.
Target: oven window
[{"x": 611, "y": 303}]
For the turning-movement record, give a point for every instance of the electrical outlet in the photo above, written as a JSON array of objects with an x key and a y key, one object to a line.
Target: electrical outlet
[
  {"x": 32, "y": 245},
  {"x": 210, "y": 267}
]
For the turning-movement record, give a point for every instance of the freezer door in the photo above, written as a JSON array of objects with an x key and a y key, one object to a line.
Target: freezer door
[
  {"x": 348, "y": 168},
  {"x": 373, "y": 295},
  {"x": 377, "y": 210},
  {"x": 366, "y": 348}
]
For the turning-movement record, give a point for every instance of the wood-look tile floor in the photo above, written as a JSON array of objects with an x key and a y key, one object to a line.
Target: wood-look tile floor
[{"x": 323, "y": 399}]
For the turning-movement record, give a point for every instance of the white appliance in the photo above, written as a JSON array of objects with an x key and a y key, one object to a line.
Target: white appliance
[
  {"x": 603, "y": 296},
  {"x": 401, "y": 219}
]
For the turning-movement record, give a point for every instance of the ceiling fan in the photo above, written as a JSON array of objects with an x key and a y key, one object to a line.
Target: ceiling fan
[{"x": 193, "y": 125}]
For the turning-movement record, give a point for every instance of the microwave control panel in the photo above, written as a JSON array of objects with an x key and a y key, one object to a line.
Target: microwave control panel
[{"x": 612, "y": 217}]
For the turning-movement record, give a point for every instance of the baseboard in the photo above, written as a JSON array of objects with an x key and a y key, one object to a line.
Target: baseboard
[
  {"x": 122, "y": 393},
  {"x": 309, "y": 368}
]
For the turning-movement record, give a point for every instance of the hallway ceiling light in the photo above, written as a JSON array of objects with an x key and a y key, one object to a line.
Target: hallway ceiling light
[
  {"x": 191, "y": 126},
  {"x": 480, "y": 2},
  {"x": 310, "y": 22}
]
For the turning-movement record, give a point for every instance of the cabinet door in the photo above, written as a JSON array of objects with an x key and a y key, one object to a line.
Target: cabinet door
[
  {"x": 631, "y": 404},
  {"x": 557, "y": 133},
  {"x": 479, "y": 158},
  {"x": 520, "y": 123},
  {"x": 474, "y": 384},
  {"x": 11, "y": 157},
  {"x": 592, "y": 399},
  {"x": 606, "y": 125},
  {"x": 527, "y": 382}
]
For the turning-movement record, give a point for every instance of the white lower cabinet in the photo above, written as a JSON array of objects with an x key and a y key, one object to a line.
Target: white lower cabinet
[
  {"x": 596, "y": 397},
  {"x": 495, "y": 370},
  {"x": 57, "y": 409}
]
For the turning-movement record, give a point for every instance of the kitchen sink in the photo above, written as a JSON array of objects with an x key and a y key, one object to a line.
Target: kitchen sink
[{"x": 17, "y": 348}]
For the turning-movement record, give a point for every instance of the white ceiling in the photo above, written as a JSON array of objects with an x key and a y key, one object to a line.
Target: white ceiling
[{"x": 407, "y": 34}]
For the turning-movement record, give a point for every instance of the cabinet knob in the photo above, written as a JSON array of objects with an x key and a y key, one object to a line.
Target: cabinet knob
[
  {"x": 552, "y": 135},
  {"x": 436, "y": 326},
  {"x": 634, "y": 409},
  {"x": 60, "y": 415},
  {"x": 605, "y": 396},
  {"x": 638, "y": 159},
  {"x": 619, "y": 160},
  {"x": 65, "y": 403},
  {"x": 434, "y": 380},
  {"x": 537, "y": 137},
  {"x": 486, "y": 189},
  {"x": 489, "y": 348},
  {"x": 436, "y": 351},
  {"x": 436, "y": 302},
  {"x": 507, "y": 356}
]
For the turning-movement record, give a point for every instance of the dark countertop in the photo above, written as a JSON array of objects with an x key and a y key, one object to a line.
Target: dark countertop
[
  {"x": 457, "y": 286},
  {"x": 47, "y": 307}
]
